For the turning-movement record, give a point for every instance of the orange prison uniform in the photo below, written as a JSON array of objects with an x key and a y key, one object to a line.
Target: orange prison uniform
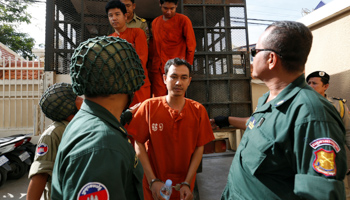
[
  {"x": 172, "y": 136},
  {"x": 137, "y": 38},
  {"x": 173, "y": 38}
]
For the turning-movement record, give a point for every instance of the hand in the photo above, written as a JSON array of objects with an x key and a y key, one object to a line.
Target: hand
[
  {"x": 185, "y": 193},
  {"x": 213, "y": 125},
  {"x": 155, "y": 189}
]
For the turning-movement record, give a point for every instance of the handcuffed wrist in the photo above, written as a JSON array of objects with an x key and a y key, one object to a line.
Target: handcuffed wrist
[
  {"x": 186, "y": 184},
  {"x": 154, "y": 180}
]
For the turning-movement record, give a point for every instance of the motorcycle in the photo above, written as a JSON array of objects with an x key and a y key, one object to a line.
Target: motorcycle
[{"x": 17, "y": 154}]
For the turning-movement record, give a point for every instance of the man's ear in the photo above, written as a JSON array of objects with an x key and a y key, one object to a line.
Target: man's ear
[
  {"x": 164, "y": 78},
  {"x": 272, "y": 60},
  {"x": 326, "y": 86}
]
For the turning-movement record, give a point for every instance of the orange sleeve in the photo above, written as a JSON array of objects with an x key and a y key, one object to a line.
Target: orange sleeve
[
  {"x": 190, "y": 40},
  {"x": 206, "y": 133},
  {"x": 138, "y": 126},
  {"x": 141, "y": 47}
]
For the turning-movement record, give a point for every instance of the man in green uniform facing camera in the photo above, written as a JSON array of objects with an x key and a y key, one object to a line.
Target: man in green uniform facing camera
[
  {"x": 319, "y": 81},
  {"x": 293, "y": 147},
  {"x": 95, "y": 159},
  {"x": 134, "y": 21}
]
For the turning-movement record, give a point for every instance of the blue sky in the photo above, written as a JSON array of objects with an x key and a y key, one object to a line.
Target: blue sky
[{"x": 256, "y": 9}]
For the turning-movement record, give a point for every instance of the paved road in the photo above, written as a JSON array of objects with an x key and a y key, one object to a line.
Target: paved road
[
  {"x": 211, "y": 181},
  {"x": 15, "y": 189}
]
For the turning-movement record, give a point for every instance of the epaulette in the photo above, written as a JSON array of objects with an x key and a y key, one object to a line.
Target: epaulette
[
  {"x": 341, "y": 99},
  {"x": 142, "y": 19}
]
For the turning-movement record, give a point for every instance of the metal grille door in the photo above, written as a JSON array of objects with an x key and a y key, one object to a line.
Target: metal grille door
[{"x": 221, "y": 69}]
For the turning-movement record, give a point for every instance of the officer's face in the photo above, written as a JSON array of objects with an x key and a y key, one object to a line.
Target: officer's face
[
  {"x": 168, "y": 9},
  {"x": 116, "y": 18},
  {"x": 177, "y": 80},
  {"x": 317, "y": 85},
  {"x": 130, "y": 7}
]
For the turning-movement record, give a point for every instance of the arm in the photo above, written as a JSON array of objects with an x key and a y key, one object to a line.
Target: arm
[
  {"x": 144, "y": 27},
  {"x": 346, "y": 121},
  {"x": 36, "y": 186},
  {"x": 141, "y": 48},
  {"x": 190, "y": 41},
  {"x": 185, "y": 192},
  {"x": 319, "y": 166},
  {"x": 142, "y": 154},
  {"x": 237, "y": 122}
]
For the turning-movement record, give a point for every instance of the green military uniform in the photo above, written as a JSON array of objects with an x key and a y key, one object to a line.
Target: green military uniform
[
  {"x": 95, "y": 143},
  {"x": 343, "y": 110},
  {"x": 46, "y": 153},
  {"x": 293, "y": 148},
  {"x": 138, "y": 22}
]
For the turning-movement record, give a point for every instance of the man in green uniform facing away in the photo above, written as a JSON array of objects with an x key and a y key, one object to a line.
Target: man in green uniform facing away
[
  {"x": 134, "y": 21},
  {"x": 293, "y": 147},
  {"x": 95, "y": 159}
]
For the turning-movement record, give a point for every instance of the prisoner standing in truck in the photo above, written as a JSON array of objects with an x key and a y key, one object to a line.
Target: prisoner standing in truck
[
  {"x": 117, "y": 16},
  {"x": 173, "y": 36}
]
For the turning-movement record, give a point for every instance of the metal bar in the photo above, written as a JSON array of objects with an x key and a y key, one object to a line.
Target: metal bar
[{"x": 50, "y": 18}]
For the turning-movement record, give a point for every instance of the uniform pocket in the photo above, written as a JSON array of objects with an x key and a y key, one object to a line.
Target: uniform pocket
[{"x": 254, "y": 152}]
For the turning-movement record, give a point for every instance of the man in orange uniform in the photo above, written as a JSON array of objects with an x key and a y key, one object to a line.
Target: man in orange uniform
[
  {"x": 176, "y": 129},
  {"x": 116, "y": 12},
  {"x": 173, "y": 36}
]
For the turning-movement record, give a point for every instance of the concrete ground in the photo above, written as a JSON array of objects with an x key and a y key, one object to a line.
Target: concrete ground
[
  {"x": 211, "y": 181},
  {"x": 15, "y": 189}
]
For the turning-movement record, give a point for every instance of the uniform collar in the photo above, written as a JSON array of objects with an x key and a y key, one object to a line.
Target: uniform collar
[
  {"x": 133, "y": 19},
  {"x": 102, "y": 113},
  {"x": 287, "y": 93}
]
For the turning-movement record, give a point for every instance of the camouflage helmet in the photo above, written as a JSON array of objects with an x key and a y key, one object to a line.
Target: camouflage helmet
[
  {"x": 58, "y": 102},
  {"x": 106, "y": 65}
]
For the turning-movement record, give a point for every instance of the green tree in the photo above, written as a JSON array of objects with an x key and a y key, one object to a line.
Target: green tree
[{"x": 13, "y": 12}]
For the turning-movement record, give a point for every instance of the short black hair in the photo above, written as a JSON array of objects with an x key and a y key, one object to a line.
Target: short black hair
[
  {"x": 177, "y": 62},
  {"x": 170, "y": 1},
  {"x": 115, "y": 4},
  {"x": 293, "y": 41}
]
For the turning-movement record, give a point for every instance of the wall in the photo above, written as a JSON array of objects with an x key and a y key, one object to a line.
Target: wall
[
  {"x": 258, "y": 89},
  {"x": 330, "y": 53}
]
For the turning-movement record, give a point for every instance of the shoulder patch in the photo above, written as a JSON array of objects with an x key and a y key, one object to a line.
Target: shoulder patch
[
  {"x": 42, "y": 149},
  {"x": 93, "y": 190},
  {"x": 325, "y": 141},
  {"x": 324, "y": 162},
  {"x": 143, "y": 20}
]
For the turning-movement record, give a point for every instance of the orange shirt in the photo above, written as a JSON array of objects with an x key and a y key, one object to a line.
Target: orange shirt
[
  {"x": 172, "y": 136},
  {"x": 137, "y": 38},
  {"x": 173, "y": 38}
]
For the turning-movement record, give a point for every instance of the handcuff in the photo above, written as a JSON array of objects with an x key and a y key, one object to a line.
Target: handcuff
[{"x": 177, "y": 187}]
